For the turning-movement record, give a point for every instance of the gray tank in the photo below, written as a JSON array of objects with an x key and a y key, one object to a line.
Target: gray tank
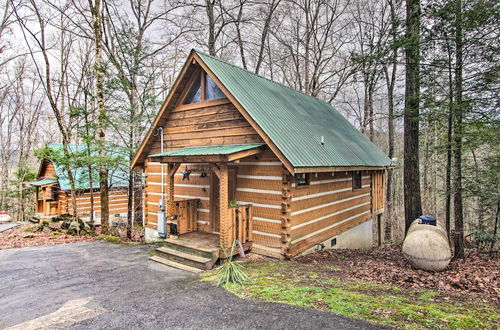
[{"x": 426, "y": 246}]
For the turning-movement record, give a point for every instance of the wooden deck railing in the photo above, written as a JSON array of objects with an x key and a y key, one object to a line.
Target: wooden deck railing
[{"x": 240, "y": 224}]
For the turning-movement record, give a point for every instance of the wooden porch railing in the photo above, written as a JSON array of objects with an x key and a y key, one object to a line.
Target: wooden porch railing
[{"x": 240, "y": 224}]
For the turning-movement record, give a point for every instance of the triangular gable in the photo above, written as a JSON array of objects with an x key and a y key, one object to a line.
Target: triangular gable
[{"x": 180, "y": 91}]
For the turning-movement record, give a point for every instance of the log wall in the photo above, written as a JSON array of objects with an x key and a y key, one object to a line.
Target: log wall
[
  {"x": 327, "y": 207},
  {"x": 259, "y": 182},
  {"x": 196, "y": 187},
  {"x": 117, "y": 202}
]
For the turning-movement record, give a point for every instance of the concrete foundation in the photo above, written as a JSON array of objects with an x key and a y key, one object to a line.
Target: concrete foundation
[
  {"x": 151, "y": 235},
  {"x": 359, "y": 237}
]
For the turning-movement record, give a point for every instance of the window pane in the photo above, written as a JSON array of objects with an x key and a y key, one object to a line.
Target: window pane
[
  {"x": 356, "y": 180},
  {"x": 194, "y": 94},
  {"x": 213, "y": 92}
]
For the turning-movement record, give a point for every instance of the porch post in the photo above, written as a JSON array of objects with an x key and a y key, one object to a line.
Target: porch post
[
  {"x": 171, "y": 169},
  {"x": 223, "y": 205}
]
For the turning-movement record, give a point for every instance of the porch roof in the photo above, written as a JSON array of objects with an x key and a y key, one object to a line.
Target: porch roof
[
  {"x": 228, "y": 152},
  {"x": 43, "y": 182}
]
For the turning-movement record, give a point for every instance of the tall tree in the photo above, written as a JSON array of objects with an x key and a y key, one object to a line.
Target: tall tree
[
  {"x": 45, "y": 75},
  {"x": 95, "y": 8},
  {"x": 458, "y": 132},
  {"x": 390, "y": 80},
  {"x": 412, "y": 199}
]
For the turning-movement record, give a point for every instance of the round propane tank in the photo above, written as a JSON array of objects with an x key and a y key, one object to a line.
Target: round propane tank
[{"x": 426, "y": 245}]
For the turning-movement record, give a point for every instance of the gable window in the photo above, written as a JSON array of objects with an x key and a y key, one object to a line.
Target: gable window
[
  {"x": 356, "y": 180},
  {"x": 213, "y": 91},
  {"x": 302, "y": 179},
  {"x": 202, "y": 89},
  {"x": 194, "y": 94}
]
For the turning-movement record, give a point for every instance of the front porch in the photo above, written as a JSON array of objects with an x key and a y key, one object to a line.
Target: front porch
[{"x": 228, "y": 221}]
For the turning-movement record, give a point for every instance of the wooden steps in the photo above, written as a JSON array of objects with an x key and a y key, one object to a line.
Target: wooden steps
[
  {"x": 175, "y": 264},
  {"x": 187, "y": 255}
]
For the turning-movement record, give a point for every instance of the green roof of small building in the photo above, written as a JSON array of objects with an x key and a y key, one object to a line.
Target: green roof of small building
[
  {"x": 43, "y": 182},
  {"x": 117, "y": 176},
  {"x": 209, "y": 150},
  {"x": 296, "y": 122}
]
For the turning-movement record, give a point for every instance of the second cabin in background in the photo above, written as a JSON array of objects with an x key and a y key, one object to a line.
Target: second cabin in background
[
  {"x": 235, "y": 156},
  {"x": 53, "y": 190}
]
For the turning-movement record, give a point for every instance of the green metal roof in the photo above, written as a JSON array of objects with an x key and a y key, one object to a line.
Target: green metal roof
[
  {"x": 117, "y": 176},
  {"x": 43, "y": 182},
  {"x": 209, "y": 150},
  {"x": 295, "y": 122}
]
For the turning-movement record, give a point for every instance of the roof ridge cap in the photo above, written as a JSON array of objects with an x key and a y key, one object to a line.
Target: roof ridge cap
[{"x": 259, "y": 76}]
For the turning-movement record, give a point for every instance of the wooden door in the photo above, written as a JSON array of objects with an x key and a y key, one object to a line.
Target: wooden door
[{"x": 214, "y": 196}]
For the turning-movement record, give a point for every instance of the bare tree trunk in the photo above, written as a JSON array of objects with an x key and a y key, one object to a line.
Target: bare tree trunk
[
  {"x": 265, "y": 33},
  {"x": 457, "y": 196},
  {"x": 138, "y": 189},
  {"x": 102, "y": 117},
  {"x": 130, "y": 198},
  {"x": 412, "y": 199},
  {"x": 449, "y": 142},
  {"x": 211, "y": 26},
  {"x": 495, "y": 229}
]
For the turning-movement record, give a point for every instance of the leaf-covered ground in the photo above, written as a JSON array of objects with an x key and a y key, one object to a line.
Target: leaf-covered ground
[
  {"x": 378, "y": 287},
  {"x": 478, "y": 273},
  {"x": 25, "y": 236}
]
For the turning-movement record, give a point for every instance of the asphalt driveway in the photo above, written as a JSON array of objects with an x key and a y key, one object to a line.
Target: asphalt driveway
[{"x": 102, "y": 285}]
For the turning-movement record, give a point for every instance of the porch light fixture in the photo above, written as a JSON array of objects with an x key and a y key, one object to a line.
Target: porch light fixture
[{"x": 203, "y": 174}]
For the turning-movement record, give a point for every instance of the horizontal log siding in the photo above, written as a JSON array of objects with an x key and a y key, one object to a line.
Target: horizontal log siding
[
  {"x": 117, "y": 202},
  {"x": 209, "y": 125},
  {"x": 327, "y": 207},
  {"x": 259, "y": 182},
  {"x": 195, "y": 187}
]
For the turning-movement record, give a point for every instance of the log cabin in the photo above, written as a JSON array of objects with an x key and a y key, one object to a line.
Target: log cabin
[
  {"x": 53, "y": 192},
  {"x": 233, "y": 156}
]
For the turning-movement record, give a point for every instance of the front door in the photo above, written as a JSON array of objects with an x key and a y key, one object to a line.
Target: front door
[{"x": 214, "y": 196}]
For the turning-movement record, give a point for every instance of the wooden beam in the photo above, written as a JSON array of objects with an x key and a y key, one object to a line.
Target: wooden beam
[
  {"x": 244, "y": 153},
  {"x": 223, "y": 205},
  {"x": 203, "y": 96},
  {"x": 202, "y": 104},
  {"x": 192, "y": 159},
  {"x": 216, "y": 170},
  {"x": 172, "y": 168},
  {"x": 170, "y": 207}
]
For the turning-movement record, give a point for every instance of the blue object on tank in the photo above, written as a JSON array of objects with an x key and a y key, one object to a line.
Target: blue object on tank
[{"x": 427, "y": 220}]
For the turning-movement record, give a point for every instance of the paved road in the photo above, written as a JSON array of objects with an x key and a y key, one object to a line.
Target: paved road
[
  {"x": 8, "y": 225},
  {"x": 101, "y": 285}
]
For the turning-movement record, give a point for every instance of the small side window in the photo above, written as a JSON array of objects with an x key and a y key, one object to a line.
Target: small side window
[
  {"x": 302, "y": 179},
  {"x": 356, "y": 180}
]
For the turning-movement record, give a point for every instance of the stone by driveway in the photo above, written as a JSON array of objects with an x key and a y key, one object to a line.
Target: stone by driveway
[{"x": 101, "y": 285}]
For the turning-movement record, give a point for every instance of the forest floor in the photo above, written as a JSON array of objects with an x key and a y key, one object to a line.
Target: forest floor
[
  {"x": 26, "y": 235},
  {"x": 379, "y": 286}
]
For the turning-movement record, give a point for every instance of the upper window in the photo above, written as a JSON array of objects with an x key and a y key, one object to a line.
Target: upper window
[
  {"x": 194, "y": 94},
  {"x": 356, "y": 180},
  {"x": 302, "y": 179},
  {"x": 211, "y": 90}
]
